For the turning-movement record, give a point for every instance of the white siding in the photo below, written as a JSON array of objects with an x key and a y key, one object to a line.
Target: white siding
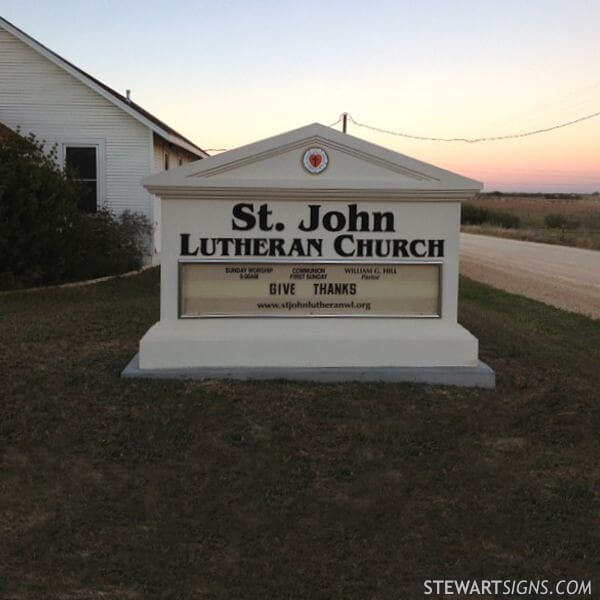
[{"x": 40, "y": 97}]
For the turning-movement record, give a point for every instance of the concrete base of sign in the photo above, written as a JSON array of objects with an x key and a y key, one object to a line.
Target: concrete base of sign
[
  {"x": 307, "y": 342},
  {"x": 340, "y": 349},
  {"x": 481, "y": 376}
]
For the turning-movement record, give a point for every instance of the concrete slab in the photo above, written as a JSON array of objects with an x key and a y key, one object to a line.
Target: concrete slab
[{"x": 480, "y": 376}]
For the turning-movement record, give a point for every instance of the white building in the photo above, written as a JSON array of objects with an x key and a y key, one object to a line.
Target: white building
[{"x": 111, "y": 141}]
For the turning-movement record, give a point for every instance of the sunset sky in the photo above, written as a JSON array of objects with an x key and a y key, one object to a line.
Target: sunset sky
[{"x": 227, "y": 73}]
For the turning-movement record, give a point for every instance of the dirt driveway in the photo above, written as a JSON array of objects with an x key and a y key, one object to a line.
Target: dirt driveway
[{"x": 562, "y": 276}]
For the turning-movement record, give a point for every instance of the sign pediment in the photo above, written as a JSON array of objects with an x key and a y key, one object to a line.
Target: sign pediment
[{"x": 343, "y": 163}]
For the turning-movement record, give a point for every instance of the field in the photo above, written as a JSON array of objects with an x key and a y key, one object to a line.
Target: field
[
  {"x": 578, "y": 223},
  {"x": 127, "y": 489}
]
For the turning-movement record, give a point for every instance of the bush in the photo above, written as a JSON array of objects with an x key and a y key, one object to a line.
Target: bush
[
  {"x": 504, "y": 219},
  {"x": 555, "y": 221},
  {"x": 44, "y": 238},
  {"x": 473, "y": 215},
  {"x": 113, "y": 245},
  {"x": 477, "y": 215}
]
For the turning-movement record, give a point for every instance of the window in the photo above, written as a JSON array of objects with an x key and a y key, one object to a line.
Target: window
[
  {"x": 82, "y": 160},
  {"x": 166, "y": 161}
]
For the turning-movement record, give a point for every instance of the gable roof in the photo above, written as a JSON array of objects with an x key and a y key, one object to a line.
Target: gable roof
[
  {"x": 274, "y": 166},
  {"x": 135, "y": 110}
]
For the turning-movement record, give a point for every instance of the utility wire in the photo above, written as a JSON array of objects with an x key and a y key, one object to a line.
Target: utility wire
[
  {"x": 473, "y": 140},
  {"x": 495, "y": 138},
  {"x": 334, "y": 124}
]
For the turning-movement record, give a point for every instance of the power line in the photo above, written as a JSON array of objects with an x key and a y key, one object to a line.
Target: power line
[
  {"x": 495, "y": 138},
  {"x": 473, "y": 140}
]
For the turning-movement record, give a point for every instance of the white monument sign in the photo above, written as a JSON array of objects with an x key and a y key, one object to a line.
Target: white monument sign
[{"x": 315, "y": 255}]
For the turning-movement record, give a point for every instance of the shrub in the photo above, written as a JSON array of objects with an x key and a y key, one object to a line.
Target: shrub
[
  {"x": 555, "y": 221},
  {"x": 504, "y": 219},
  {"x": 477, "y": 215},
  {"x": 44, "y": 238},
  {"x": 590, "y": 221},
  {"x": 113, "y": 244},
  {"x": 473, "y": 215}
]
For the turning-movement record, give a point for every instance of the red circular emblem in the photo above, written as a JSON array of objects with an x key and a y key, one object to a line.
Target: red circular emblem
[{"x": 315, "y": 160}]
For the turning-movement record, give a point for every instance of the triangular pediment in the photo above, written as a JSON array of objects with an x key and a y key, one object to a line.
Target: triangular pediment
[{"x": 277, "y": 162}]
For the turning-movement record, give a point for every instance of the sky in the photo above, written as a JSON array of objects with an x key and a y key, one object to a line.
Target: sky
[{"x": 229, "y": 72}]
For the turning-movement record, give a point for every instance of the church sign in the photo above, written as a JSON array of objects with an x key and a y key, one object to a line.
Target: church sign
[
  {"x": 322, "y": 259},
  {"x": 311, "y": 255}
]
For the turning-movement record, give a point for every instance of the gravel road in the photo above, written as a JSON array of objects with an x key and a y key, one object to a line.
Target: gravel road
[{"x": 562, "y": 276}]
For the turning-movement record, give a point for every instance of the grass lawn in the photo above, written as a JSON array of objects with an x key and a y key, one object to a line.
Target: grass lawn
[{"x": 150, "y": 489}]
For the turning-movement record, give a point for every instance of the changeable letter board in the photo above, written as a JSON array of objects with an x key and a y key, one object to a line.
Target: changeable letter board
[{"x": 340, "y": 289}]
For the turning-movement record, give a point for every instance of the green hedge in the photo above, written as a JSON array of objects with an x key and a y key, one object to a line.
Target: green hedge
[{"x": 44, "y": 238}]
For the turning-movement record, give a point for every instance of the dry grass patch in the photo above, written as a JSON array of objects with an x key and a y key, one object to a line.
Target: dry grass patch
[{"x": 579, "y": 218}]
